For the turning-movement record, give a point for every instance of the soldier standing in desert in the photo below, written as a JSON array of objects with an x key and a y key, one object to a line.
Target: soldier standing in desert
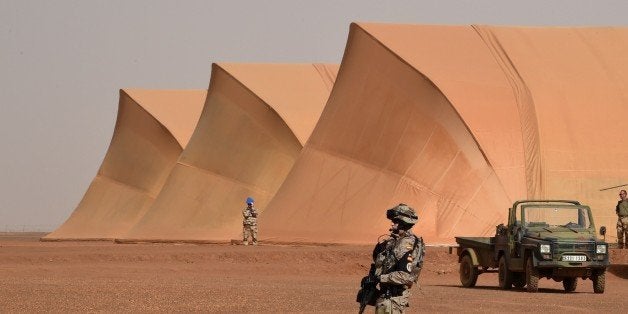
[
  {"x": 397, "y": 263},
  {"x": 249, "y": 223},
  {"x": 622, "y": 220}
]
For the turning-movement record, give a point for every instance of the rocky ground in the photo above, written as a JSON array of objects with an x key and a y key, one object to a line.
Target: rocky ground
[{"x": 106, "y": 277}]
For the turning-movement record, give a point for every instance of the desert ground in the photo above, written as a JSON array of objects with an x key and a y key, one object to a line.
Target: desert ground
[{"x": 107, "y": 277}]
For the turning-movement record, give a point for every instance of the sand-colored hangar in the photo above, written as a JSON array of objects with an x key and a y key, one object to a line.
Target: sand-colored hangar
[
  {"x": 459, "y": 121},
  {"x": 256, "y": 119},
  {"x": 152, "y": 128}
]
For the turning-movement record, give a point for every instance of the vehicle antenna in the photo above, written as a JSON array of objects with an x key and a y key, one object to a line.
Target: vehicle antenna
[{"x": 612, "y": 187}]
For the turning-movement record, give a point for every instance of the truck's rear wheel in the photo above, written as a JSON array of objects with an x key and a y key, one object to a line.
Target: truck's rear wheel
[
  {"x": 505, "y": 275},
  {"x": 570, "y": 284},
  {"x": 468, "y": 272},
  {"x": 599, "y": 281},
  {"x": 532, "y": 276}
]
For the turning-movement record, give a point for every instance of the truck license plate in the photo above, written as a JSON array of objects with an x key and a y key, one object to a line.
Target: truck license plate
[{"x": 574, "y": 258}]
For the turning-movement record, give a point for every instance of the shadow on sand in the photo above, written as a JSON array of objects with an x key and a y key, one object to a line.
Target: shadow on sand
[
  {"x": 620, "y": 271},
  {"x": 494, "y": 288}
]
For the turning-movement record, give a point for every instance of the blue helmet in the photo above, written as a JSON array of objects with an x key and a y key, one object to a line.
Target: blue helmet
[{"x": 250, "y": 200}]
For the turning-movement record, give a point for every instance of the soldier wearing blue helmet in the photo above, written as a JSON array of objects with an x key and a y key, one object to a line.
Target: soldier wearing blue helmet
[{"x": 249, "y": 224}]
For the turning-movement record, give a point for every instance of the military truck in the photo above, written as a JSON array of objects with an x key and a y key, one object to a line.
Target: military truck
[{"x": 555, "y": 239}]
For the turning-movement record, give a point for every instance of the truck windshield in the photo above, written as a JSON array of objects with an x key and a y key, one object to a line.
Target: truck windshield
[{"x": 553, "y": 217}]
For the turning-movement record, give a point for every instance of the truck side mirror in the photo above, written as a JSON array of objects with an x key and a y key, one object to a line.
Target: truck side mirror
[{"x": 603, "y": 230}]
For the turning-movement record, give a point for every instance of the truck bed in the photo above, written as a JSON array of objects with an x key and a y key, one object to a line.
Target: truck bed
[
  {"x": 481, "y": 243},
  {"x": 483, "y": 247}
]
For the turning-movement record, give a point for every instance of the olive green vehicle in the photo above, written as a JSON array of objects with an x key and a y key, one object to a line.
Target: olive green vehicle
[{"x": 555, "y": 239}]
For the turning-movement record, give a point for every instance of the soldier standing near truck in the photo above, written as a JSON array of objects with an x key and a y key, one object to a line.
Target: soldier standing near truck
[
  {"x": 397, "y": 262},
  {"x": 249, "y": 224},
  {"x": 622, "y": 220}
]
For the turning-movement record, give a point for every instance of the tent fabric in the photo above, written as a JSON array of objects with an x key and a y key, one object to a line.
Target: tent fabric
[
  {"x": 465, "y": 69},
  {"x": 177, "y": 110},
  {"x": 254, "y": 124},
  {"x": 458, "y": 122},
  {"x": 386, "y": 136},
  {"x": 296, "y": 92},
  {"x": 151, "y": 128},
  {"x": 579, "y": 81}
]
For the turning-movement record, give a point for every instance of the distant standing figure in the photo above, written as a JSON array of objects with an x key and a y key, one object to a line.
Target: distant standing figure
[
  {"x": 622, "y": 220},
  {"x": 250, "y": 222}
]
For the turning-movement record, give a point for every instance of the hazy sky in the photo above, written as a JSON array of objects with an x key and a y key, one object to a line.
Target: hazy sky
[{"x": 63, "y": 62}]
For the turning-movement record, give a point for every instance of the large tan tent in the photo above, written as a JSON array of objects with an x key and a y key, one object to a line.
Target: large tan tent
[
  {"x": 458, "y": 122},
  {"x": 256, "y": 120},
  {"x": 152, "y": 128}
]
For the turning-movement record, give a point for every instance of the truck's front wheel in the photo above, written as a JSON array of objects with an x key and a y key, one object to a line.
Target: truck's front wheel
[
  {"x": 505, "y": 275},
  {"x": 468, "y": 272},
  {"x": 599, "y": 281},
  {"x": 532, "y": 276},
  {"x": 570, "y": 284}
]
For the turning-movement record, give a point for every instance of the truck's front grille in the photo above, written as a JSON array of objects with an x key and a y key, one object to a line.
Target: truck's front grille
[{"x": 567, "y": 247}]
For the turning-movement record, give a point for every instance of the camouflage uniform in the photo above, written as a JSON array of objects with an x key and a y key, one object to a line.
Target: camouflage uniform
[
  {"x": 398, "y": 261},
  {"x": 249, "y": 224},
  {"x": 622, "y": 222}
]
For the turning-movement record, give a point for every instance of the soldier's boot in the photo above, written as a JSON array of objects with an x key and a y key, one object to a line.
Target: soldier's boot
[
  {"x": 254, "y": 242},
  {"x": 245, "y": 242}
]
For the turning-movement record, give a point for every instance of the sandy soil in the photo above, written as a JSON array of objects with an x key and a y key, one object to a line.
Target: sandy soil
[{"x": 103, "y": 276}]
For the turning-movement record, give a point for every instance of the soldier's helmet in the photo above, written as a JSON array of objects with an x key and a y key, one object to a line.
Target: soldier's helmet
[
  {"x": 250, "y": 200},
  {"x": 402, "y": 213}
]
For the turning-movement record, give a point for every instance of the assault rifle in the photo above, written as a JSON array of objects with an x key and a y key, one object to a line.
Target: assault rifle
[{"x": 368, "y": 290}]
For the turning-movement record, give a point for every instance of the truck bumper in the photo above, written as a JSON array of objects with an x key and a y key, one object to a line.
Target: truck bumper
[{"x": 570, "y": 269}]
